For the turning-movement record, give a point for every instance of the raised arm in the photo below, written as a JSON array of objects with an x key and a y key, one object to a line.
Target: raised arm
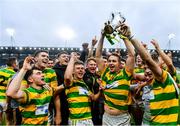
[
  {"x": 142, "y": 52},
  {"x": 14, "y": 87},
  {"x": 165, "y": 58},
  {"x": 98, "y": 56},
  {"x": 130, "y": 62},
  {"x": 68, "y": 75},
  {"x": 93, "y": 43}
]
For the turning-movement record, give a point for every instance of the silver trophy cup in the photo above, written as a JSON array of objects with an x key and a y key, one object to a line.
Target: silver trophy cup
[{"x": 111, "y": 26}]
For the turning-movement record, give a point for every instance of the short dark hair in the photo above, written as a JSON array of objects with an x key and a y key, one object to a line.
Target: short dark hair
[
  {"x": 62, "y": 52},
  {"x": 51, "y": 59},
  {"x": 85, "y": 45},
  {"x": 116, "y": 55},
  {"x": 40, "y": 51},
  {"x": 89, "y": 59},
  {"x": 78, "y": 53},
  {"x": 155, "y": 56},
  {"x": 79, "y": 62},
  {"x": 124, "y": 60},
  {"x": 21, "y": 62},
  {"x": 105, "y": 57},
  {"x": 11, "y": 61},
  {"x": 29, "y": 73}
]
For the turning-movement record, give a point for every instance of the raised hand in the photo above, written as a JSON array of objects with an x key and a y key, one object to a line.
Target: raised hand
[
  {"x": 28, "y": 63},
  {"x": 145, "y": 45},
  {"x": 124, "y": 30},
  {"x": 74, "y": 55},
  {"x": 103, "y": 32},
  {"x": 94, "y": 41},
  {"x": 155, "y": 43}
]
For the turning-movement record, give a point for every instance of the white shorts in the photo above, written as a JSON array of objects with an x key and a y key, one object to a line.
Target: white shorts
[
  {"x": 119, "y": 120},
  {"x": 83, "y": 122}
]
